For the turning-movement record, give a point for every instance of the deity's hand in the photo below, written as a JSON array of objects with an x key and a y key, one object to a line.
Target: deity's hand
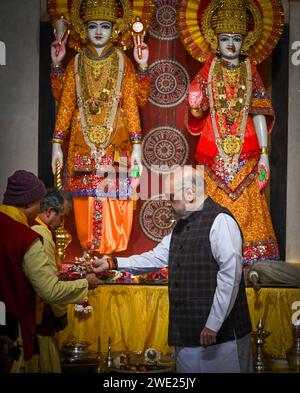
[
  {"x": 136, "y": 158},
  {"x": 263, "y": 171},
  {"x": 58, "y": 51},
  {"x": 100, "y": 265},
  {"x": 195, "y": 97},
  {"x": 143, "y": 62},
  {"x": 57, "y": 154}
]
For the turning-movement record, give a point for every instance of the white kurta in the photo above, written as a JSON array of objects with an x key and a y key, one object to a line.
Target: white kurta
[{"x": 226, "y": 246}]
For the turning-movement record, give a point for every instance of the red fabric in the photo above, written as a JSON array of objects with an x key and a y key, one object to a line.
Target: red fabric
[
  {"x": 15, "y": 290},
  {"x": 207, "y": 148}
]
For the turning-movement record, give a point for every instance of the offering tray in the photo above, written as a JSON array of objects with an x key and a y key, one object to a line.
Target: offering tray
[{"x": 141, "y": 368}]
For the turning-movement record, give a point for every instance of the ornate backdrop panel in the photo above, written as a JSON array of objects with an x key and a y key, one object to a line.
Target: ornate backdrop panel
[{"x": 166, "y": 142}]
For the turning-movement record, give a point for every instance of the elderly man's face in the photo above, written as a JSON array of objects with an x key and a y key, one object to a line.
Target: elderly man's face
[
  {"x": 55, "y": 220},
  {"x": 175, "y": 193},
  {"x": 184, "y": 188}
]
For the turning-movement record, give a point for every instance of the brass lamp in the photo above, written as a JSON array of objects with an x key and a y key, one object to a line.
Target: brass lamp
[
  {"x": 62, "y": 236},
  {"x": 260, "y": 335}
]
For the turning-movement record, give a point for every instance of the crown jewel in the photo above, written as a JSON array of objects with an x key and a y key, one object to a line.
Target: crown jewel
[
  {"x": 231, "y": 17},
  {"x": 99, "y": 10}
]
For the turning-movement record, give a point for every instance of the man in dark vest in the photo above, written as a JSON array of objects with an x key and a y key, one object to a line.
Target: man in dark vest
[
  {"x": 25, "y": 269},
  {"x": 209, "y": 322}
]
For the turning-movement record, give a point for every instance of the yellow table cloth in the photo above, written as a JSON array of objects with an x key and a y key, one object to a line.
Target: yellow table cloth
[
  {"x": 274, "y": 307},
  {"x": 136, "y": 318}
]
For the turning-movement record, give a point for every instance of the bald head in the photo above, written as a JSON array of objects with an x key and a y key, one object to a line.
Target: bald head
[
  {"x": 184, "y": 178},
  {"x": 185, "y": 188}
]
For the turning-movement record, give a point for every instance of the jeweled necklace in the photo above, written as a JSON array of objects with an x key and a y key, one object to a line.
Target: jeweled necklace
[
  {"x": 98, "y": 87},
  {"x": 231, "y": 108}
]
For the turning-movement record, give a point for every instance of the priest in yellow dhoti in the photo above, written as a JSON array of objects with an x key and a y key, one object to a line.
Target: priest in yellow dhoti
[{"x": 98, "y": 119}]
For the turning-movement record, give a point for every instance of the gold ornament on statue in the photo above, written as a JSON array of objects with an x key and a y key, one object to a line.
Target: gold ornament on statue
[
  {"x": 231, "y": 144},
  {"x": 138, "y": 31},
  {"x": 62, "y": 237},
  {"x": 260, "y": 23},
  {"x": 83, "y": 11},
  {"x": 99, "y": 10},
  {"x": 230, "y": 16}
]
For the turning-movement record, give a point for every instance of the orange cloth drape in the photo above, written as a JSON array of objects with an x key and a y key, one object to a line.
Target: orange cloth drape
[{"x": 116, "y": 223}]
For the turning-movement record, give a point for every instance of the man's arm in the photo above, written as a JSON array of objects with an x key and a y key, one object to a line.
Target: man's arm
[
  {"x": 49, "y": 247},
  {"x": 226, "y": 246},
  {"x": 45, "y": 282},
  {"x": 143, "y": 263}
]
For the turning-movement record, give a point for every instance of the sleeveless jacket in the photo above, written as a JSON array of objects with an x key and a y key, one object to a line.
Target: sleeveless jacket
[{"x": 193, "y": 280}]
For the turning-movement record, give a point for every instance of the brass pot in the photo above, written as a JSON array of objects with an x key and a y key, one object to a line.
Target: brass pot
[{"x": 75, "y": 350}]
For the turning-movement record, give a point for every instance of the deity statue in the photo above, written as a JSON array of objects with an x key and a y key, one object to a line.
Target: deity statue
[
  {"x": 228, "y": 107},
  {"x": 98, "y": 121}
]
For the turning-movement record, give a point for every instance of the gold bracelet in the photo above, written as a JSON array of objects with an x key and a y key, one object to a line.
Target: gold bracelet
[
  {"x": 141, "y": 68},
  {"x": 264, "y": 150},
  {"x": 56, "y": 65},
  {"x": 56, "y": 140},
  {"x": 196, "y": 111}
]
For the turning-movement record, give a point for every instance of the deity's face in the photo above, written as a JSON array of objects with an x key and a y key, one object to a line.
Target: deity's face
[
  {"x": 99, "y": 32},
  {"x": 230, "y": 45}
]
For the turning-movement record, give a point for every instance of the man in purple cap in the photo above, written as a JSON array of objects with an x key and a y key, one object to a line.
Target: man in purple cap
[{"x": 25, "y": 269}]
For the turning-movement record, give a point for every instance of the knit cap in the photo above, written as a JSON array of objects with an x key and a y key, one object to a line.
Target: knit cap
[{"x": 23, "y": 188}]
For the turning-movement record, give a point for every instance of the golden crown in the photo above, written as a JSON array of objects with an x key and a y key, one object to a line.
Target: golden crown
[
  {"x": 231, "y": 17},
  {"x": 86, "y": 10},
  {"x": 99, "y": 10}
]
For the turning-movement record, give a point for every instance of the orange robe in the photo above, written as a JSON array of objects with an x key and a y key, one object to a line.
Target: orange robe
[{"x": 103, "y": 223}]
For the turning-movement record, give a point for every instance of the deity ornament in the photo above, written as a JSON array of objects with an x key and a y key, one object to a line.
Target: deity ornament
[
  {"x": 62, "y": 237},
  {"x": 137, "y": 31}
]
